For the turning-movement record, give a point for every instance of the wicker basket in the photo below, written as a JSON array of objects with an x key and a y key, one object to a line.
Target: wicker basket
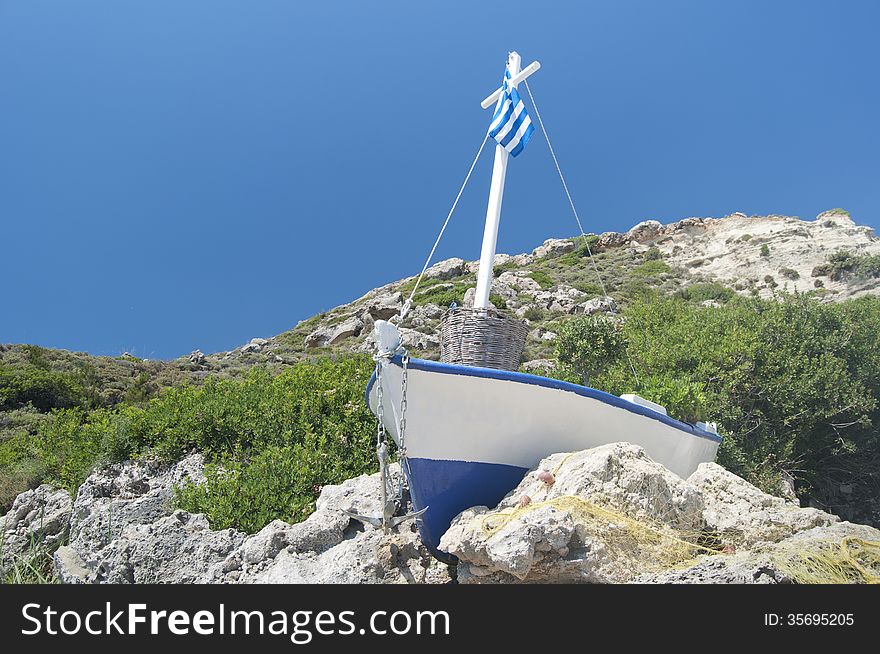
[{"x": 482, "y": 337}]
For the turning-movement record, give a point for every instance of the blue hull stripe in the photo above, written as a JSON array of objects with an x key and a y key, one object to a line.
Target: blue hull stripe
[
  {"x": 449, "y": 487},
  {"x": 546, "y": 382}
]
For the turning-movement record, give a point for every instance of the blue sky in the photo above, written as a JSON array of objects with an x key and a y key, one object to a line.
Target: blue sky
[{"x": 191, "y": 174}]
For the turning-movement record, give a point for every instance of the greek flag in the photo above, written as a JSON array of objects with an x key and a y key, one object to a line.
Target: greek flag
[{"x": 511, "y": 125}]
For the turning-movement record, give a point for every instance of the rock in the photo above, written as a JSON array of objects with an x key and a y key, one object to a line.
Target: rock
[
  {"x": 179, "y": 548},
  {"x": 597, "y": 305},
  {"x": 775, "y": 563},
  {"x": 331, "y": 547},
  {"x": 447, "y": 269},
  {"x": 411, "y": 338},
  {"x": 836, "y": 217},
  {"x": 331, "y": 335},
  {"x": 609, "y": 240},
  {"x": 551, "y": 541},
  {"x": 197, "y": 357},
  {"x": 523, "y": 259},
  {"x": 553, "y": 246},
  {"x": 538, "y": 366},
  {"x": 520, "y": 281},
  {"x": 645, "y": 231},
  {"x": 38, "y": 518},
  {"x": 469, "y": 296},
  {"x": 562, "y": 298},
  {"x": 498, "y": 260},
  {"x": 740, "y": 568},
  {"x": 385, "y": 306},
  {"x": 119, "y": 495},
  {"x": 70, "y": 567},
  {"x": 743, "y": 515},
  {"x": 254, "y": 345}
]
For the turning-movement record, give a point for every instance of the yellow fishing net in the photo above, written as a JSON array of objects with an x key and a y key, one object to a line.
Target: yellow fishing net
[
  {"x": 648, "y": 543},
  {"x": 845, "y": 561}
]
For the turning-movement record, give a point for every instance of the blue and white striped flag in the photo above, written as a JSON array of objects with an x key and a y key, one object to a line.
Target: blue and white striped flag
[{"x": 511, "y": 125}]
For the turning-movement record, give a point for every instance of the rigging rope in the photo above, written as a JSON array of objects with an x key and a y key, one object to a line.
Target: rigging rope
[
  {"x": 408, "y": 304},
  {"x": 574, "y": 211}
]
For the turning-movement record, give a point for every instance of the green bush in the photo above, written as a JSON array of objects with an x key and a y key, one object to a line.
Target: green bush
[
  {"x": 443, "y": 294},
  {"x": 498, "y": 301},
  {"x": 703, "y": 291},
  {"x": 311, "y": 418},
  {"x": 789, "y": 273},
  {"x": 765, "y": 250},
  {"x": 793, "y": 384},
  {"x": 587, "y": 345},
  {"x": 843, "y": 264},
  {"x": 582, "y": 249},
  {"x": 278, "y": 482},
  {"x": 653, "y": 254},
  {"x": 43, "y": 389},
  {"x": 534, "y": 313},
  {"x": 651, "y": 267},
  {"x": 544, "y": 280}
]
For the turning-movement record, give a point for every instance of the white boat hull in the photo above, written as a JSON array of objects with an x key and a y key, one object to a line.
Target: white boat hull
[{"x": 472, "y": 433}]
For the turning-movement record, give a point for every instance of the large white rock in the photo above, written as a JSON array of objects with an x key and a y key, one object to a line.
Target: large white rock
[
  {"x": 744, "y": 515},
  {"x": 550, "y": 543},
  {"x": 770, "y": 564},
  {"x": 39, "y": 518},
  {"x": 148, "y": 543},
  {"x": 116, "y": 496},
  {"x": 447, "y": 269},
  {"x": 553, "y": 246},
  {"x": 331, "y": 547}
]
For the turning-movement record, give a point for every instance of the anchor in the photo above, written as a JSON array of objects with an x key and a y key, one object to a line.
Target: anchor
[{"x": 390, "y": 505}]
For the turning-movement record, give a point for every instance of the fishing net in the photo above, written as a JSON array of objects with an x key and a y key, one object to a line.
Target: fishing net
[
  {"x": 848, "y": 560},
  {"x": 654, "y": 538}
]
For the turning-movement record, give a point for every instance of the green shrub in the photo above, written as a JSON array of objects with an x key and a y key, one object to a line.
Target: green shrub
[
  {"x": 534, "y": 313},
  {"x": 651, "y": 268},
  {"x": 702, "y": 291},
  {"x": 653, "y": 254},
  {"x": 311, "y": 416},
  {"x": 589, "y": 288},
  {"x": 793, "y": 384},
  {"x": 789, "y": 273},
  {"x": 843, "y": 264},
  {"x": 582, "y": 249},
  {"x": 587, "y": 345},
  {"x": 498, "y": 301},
  {"x": 544, "y": 280},
  {"x": 278, "y": 482},
  {"x": 43, "y": 389},
  {"x": 765, "y": 250},
  {"x": 443, "y": 294}
]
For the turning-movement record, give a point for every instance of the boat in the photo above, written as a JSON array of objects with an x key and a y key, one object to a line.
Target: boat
[{"x": 467, "y": 428}]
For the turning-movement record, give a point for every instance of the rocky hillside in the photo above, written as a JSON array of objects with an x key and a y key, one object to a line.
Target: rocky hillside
[
  {"x": 704, "y": 258},
  {"x": 830, "y": 257}
]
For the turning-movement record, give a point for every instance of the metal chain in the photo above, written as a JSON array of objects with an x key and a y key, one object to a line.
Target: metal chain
[
  {"x": 381, "y": 436},
  {"x": 380, "y": 408},
  {"x": 401, "y": 429}
]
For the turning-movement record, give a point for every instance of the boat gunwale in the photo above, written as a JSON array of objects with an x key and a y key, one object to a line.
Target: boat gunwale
[{"x": 543, "y": 382}]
